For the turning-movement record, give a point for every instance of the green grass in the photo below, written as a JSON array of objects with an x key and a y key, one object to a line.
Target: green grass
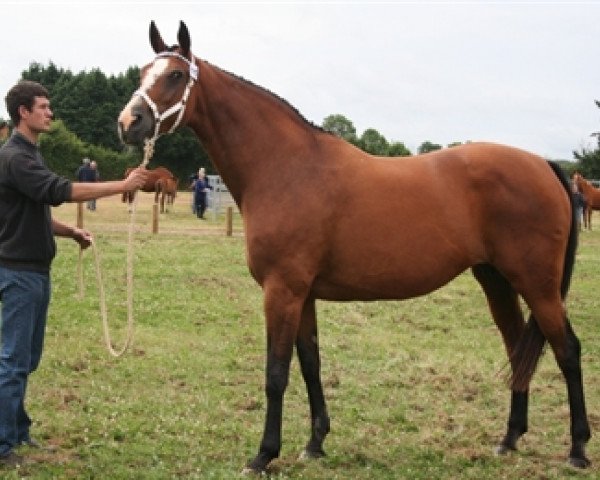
[{"x": 415, "y": 389}]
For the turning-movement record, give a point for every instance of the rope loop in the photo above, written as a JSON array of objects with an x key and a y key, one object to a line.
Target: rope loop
[{"x": 148, "y": 152}]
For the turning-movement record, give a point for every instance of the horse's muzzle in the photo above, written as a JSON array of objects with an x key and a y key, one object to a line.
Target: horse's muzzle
[{"x": 135, "y": 123}]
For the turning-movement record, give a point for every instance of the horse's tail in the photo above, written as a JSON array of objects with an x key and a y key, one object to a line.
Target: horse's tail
[
  {"x": 530, "y": 347},
  {"x": 569, "y": 264}
]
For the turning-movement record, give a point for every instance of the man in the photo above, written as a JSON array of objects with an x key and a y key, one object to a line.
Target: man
[{"x": 27, "y": 246}]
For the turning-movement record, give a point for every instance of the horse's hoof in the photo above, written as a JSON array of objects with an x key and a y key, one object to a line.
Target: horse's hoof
[
  {"x": 309, "y": 455},
  {"x": 579, "y": 462},
  {"x": 249, "y": 471},
  {"x": 502, "y": 450}
]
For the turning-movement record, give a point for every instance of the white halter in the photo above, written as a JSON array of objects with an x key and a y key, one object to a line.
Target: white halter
[{"x": 179, "y": 106}]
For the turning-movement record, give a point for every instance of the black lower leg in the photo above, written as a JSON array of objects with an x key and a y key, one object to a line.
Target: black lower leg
[
  {"x": 517, "y": 421},
  {"x": 277, "y": 379},
  {"x": 308, "y": 354},
  {"x": 580, "y": 429}
]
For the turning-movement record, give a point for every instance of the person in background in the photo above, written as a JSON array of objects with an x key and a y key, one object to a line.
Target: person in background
[
  {"x": 94, "y": 177},
  {"x": 580, "y": 203},
  {"x": 193, "y": 179},
  {"x": 201, "y": 187},
  {"x": 27, "y": 247},
  {"x": 80, "y": 174},
  {"x": 87, "y": 173}
]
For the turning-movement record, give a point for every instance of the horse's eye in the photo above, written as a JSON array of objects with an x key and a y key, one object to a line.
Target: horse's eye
[{"x": 175, "y": 75}]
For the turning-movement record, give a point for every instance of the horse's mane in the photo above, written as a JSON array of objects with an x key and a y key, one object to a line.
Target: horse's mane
[{"x": 279, "y": 99}]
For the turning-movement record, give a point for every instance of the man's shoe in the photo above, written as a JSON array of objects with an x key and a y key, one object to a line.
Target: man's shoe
[{"x": 11, "y": 459}]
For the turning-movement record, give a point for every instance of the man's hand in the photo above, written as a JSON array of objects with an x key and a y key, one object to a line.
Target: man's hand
[
  {"x": 136, "y": 179},
  {"x": 82, "y": 237}
]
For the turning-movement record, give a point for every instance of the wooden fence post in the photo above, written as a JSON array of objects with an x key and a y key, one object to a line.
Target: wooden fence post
[
  {"x": 79, "y": 214},
  {"x": 155, "y": 218},
  {"x": 229, "y": 227}
]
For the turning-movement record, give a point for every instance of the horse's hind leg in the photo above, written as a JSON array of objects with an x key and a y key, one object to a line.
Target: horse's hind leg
[
  {"x": 307, "y": 346},
  {"x": 504, "y": 305},
  {"x": 551, "y": 324},
  {"x": 567, "y": 351}
]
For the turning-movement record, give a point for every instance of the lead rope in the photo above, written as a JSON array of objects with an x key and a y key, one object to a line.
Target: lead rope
[{"x": 148, "y": 152}]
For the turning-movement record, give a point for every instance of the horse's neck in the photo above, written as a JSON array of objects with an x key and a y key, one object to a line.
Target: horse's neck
[{"x": 243, "y": 127}]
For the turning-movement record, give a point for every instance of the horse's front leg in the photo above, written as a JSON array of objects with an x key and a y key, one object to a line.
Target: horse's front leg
[
  {"x": 282, "y": 315},
  {"x": 307, "y": 345}
]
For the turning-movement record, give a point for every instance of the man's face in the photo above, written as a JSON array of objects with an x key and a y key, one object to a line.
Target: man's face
[{"x": 38, "y": 119}]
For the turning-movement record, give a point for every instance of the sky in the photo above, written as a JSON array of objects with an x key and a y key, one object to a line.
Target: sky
[{"x": 522, "y": 73}]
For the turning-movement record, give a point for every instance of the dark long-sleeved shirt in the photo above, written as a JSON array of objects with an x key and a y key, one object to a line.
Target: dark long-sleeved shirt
[{"x": 27, "y": 190}]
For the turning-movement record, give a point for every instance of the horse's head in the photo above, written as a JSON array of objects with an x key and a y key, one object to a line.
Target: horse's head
[{"x": 159, "y": 105}]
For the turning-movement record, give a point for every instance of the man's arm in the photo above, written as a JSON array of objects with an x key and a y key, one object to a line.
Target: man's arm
[
  {"x": 81, "y": 236},
  {"x": 82, "y": 191}
]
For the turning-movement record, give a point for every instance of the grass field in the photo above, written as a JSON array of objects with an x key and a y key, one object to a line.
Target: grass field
[{"x": 415, "y": 389}]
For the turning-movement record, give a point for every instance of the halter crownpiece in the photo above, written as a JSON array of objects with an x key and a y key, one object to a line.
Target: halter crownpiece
[
  {"x": 179, "y": 106},
  {"x": 192, "y": 66}
]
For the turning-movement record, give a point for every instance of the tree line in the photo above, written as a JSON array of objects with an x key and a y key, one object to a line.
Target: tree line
[{"x": 86, "y": 106}]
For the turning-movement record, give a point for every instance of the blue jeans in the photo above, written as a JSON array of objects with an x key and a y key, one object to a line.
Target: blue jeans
[{"x": 25, "y": 297}]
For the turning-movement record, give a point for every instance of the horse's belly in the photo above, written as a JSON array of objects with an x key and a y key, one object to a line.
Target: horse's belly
[{"x": 391, "y": 278}]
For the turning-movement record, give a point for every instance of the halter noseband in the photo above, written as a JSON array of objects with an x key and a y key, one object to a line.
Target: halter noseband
[{"x": 179, "y": 106}]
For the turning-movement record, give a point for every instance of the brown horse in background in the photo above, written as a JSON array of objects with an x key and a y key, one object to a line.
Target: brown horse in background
[
  {"x": 592, "y": 198},
  {"x": 150, "y": 186},
  {"x": 167, "y": 189},
  {"x": 429, "y": 218}
]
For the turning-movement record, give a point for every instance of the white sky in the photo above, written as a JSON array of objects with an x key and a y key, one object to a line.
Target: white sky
[{"x": 524, "y": 73}]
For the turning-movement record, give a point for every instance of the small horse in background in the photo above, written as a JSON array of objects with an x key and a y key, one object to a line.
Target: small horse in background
[
  {"x": 167, "y": 189},
  {"x": 592, "y": 198},
  {"x": 150, "y": 185}
]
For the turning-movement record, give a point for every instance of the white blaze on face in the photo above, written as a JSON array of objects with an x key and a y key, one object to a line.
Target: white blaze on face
[
  {"x": 152, "y": 75},
  {"x": 154, "y": 72}
]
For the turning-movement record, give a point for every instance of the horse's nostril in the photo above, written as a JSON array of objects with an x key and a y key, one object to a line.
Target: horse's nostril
[{"x": 136, "y": 119}]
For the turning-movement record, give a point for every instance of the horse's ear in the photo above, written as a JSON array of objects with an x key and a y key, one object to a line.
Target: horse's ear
[
  {"x": 183, "y": 37},
  {"x": 158, "y": 45}
]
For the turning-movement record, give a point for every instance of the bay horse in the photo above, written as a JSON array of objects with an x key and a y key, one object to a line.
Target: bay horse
[
  {"x": 592, "y": 198},
  {"x": 506, "y": 214},
  {"x": 166, "y": 188},
  {"x": 150, "y": 184}
]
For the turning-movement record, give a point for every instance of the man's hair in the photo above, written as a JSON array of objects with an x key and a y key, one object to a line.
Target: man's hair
[{"x": 23, "y": 93}]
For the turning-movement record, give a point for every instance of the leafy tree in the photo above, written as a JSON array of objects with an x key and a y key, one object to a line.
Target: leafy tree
[
  {"x": 398, "y": 149},
  {"x": 4, "y": 130},
  {"x": 89, "y": 102},
  {"x": 342, "y": 127},
  {"x": 64, "y": 151},
  {"x": 428, "y": 146},
  {"x": 588, "y": 160},
  {"x": 71, "y": 103},
  {"x": 373, "y": 142},
  {"x": 48, "y": 76}
]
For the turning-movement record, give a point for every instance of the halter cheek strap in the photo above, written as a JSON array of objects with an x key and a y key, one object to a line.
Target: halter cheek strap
[{"x": 179, "y": 107}]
